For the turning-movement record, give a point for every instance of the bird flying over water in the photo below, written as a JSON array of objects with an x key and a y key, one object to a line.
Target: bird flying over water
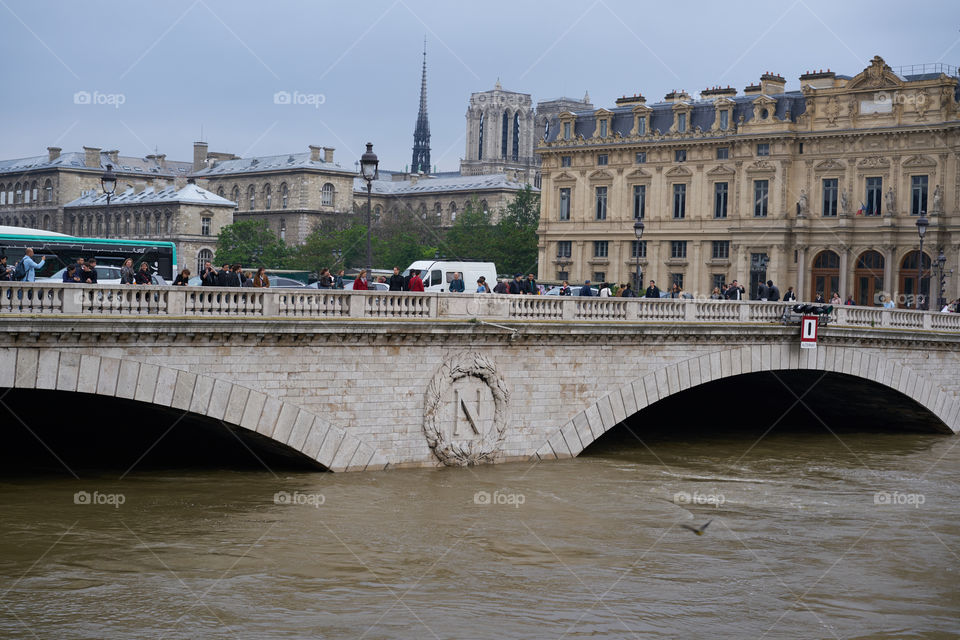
[{"x": 697, "y": 530}]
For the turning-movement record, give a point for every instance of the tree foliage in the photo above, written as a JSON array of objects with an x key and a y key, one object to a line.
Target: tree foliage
[{"x": 250, "y": 243}]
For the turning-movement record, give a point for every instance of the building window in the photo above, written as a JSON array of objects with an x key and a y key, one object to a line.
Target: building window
[
  {"x": 679, "y": 201},
  {"x": 565, "y": 161},
  {"x": 602, "y": 159},
  {"x": 563, "y": 275},
  {"x": 682, "y": 122},
  {"x": 601, "y": 203},
  {"x": 564, "y": 248},
  {"x": 603, "y": 128},
  {"x": 48, "y": 191},
  {"x": 678, "y": 249},
  {"x": 599, "y": 276},
  {"x": 723, "y": 153},
  {"x": 326, "y": 195},
  {"x": 719, "y": 281},
  {"x": 19, "y": 192},
  {"x": 203, "y": 256},
  {"x": 640, "y": 245},
  {"x": 763, "y": 149},
  {"x": 800, "y": 149},
  {"x": 3, "y": 196},
  {"x": 641, "y": 157},
  {"x": 676, "y": 279},
  {"x": 283, "y": 229},
  {"x": 874, "y": 196},
  {"x": 641, "y": 126},
  {"x": 235, "y": 196},
  {"x": 204, "y": 226},
  {"x": 720, "y": 193},
  {"x": 565, "y": 204},
  {"x": 284, "y": 195},
  {"x": 830, "y": 190},
  {"x": 918, "y": 195},
  {"x": 252, "y": 197},
  {"x": 680, "y": 155},
  {"x": 761, "y": 190},
  {"x": 566, "y": 130},
  {"x": 600, "y": 249},
  {"x": 724, "y": 120},
  {"x": 721, "y": 249},
  {"x": 221, "y": 192},
  {"x": 639, "y": 201},
  {"x": 268, "y": 196}
]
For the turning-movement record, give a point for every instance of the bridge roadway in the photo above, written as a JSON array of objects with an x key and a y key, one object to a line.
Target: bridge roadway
[{"x": 369, "y": 380}]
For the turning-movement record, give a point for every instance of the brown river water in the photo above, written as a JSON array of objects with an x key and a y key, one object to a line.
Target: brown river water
[{"x": 811, "y": 535}]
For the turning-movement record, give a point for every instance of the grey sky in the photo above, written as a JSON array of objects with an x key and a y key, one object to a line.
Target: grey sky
[{"x": 183, "y": 64}]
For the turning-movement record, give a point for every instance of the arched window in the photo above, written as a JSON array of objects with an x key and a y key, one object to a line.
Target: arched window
[
  {"x": 235, "y": 196},
  {"x": 26, "y": 193},
  {"x": 376, "y": 211},
  {"x": 46, "y": 223},
  {"x": 79, "y": 225},
  {"x": 203, "y": 256},
  {"x": 10, "y": 193},
  {"x": 19, "y": 194},
  {"x": 480, "y": 139},
  {"x": 284, "y": 193},
  {"x": 484, "y": 207},
  {"x": 136, "y": 226},
  {"x": 438, "y": 209},
  {"x": 48, "y": 191},
  {"x": 220, "y": 192},
  {"x": 908, "y": 281},
  {"x": 283, "y": 229},
  {"x": 267, "y": 196},
  {"x": 453, "y": 211},
  {"x": 34, "y": 192},
  {"x": 126, "y": 225},
  {"x": 99, "y": 225},
  {"x": 3, "y": 195},
  {"x": 252, "y": 197},
  {"x": 516, "y": 136},
  {"x": 156, "y": 225},
  {"x": 106, "y": 226},
  {"x": 868, "y": 278},
  {"x": 168, "y": 224},
  {"x": 422, "y": 211},
  {"x": 825, "y": 275},
  {"x": 326, "y": 195}
]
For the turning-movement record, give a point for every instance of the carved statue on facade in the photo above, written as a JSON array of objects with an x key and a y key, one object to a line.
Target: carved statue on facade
[
  {"x": 937, "y": 200},
  {"x": 844, "y": 201},
  {"x": 833, "y": 112},
  {"x": 804, "y": 204},
  {"x": 890, "y": 201}
]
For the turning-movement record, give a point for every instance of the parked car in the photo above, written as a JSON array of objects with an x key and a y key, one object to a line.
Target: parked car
[
  {"x": 373, "y": 286},
  {"x": 276, "y": 282},
  {"x": 574, "y": 291},
  {"x": 105, "y": 275}
]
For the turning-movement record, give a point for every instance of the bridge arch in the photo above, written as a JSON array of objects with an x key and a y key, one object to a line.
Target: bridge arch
[
  {"x": 589, "y": 424},
  {"x": 234, "y": 404}
]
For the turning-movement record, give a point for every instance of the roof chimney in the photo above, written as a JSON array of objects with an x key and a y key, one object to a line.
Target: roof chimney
[
  {"x": 199, "y": 156},
  {"x": 314, "y": 153},
  {"x": 328, "y": 154},
  {"x": 53, "y": 153},
  {"x": 91, "y": 157},
  {"x": 113, "y": 155},
  {"x": 772, "y": 84}
]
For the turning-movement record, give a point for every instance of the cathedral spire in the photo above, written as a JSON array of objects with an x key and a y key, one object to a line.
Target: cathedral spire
[{"x": 421, "y": 135}]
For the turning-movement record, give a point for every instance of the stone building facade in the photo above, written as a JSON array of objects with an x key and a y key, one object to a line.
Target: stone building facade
[
  {"x": 190, "y": 217},
  {"x": 34, "y": 190},
  {"x": 291, "y": 192},
  {"x": 819, "y": 189}
]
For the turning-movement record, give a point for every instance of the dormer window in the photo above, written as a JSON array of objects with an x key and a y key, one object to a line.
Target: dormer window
[
  {"x": 724, "y": 120},
  {"x": 566, "y": 130},
  {"x": 641, "y": 126},
  {"x": 603, "y": 128},
  {"x": 682, "y": 122}
]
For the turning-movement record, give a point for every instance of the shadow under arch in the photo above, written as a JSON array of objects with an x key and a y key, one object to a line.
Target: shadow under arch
[
  {"x": 186, "y": 393},
  {"x": 594, "y": 421}
]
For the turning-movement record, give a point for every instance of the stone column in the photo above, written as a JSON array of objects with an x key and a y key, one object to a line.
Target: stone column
[
  {"x": 888, "y": 270},
  {"x": 801, "y": 272},
  {"x": 844, "y": 258}
]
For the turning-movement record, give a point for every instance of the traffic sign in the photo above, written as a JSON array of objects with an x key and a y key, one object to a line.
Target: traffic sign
[{"x": 808, "y": 332}]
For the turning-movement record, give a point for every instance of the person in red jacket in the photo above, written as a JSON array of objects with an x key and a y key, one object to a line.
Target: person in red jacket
[
  {"x": 416, "y": 284},
  {"x": 360, "y": 284}
]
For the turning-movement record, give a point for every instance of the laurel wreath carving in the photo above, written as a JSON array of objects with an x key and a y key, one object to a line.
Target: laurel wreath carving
[{"x": 461, "y": 453}]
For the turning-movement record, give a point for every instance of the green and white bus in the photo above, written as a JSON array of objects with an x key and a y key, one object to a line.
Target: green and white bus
[{"x": 60, "y": 250}]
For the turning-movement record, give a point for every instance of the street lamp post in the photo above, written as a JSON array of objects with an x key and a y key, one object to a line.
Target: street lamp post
[
  {"x": 368, "y": 168},
  {"x": 638, "y": 230},
  {"x": 108, "y": 182},
  {"x": 942, "y": 275},
  {"x": 922, "y": 224}
]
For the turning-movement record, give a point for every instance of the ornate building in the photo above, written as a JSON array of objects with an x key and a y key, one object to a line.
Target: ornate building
[
  {"x": 819, "y": 189},
  {"x": 34, "y": 190},
  {"x": 190, "y": 217}
]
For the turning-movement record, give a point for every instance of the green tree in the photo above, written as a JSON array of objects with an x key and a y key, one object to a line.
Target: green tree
[
  {"x": 515, "y": 234},
  {"x": 472, "y": 234},
  {"x": 325, "y": 243},
  {"x": 250, "y": 243}
]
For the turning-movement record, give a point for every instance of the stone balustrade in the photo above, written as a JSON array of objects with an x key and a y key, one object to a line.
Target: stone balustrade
[{"x": 119, "y": 300}]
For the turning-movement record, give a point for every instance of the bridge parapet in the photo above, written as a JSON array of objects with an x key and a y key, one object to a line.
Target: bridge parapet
[{"x": 97, "y": 301}]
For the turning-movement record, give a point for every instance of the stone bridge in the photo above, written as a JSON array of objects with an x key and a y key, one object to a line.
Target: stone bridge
[{"x": 371, "y": 380}]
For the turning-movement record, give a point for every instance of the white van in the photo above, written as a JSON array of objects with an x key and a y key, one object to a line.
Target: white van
[{"x": 437, "y": 274}]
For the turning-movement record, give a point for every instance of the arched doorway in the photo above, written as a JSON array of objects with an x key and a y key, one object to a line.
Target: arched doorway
[
  {"x": 868, "y": 278},
  {"x": 825, "y": 275},
  {"x": 908, "y": 281}
]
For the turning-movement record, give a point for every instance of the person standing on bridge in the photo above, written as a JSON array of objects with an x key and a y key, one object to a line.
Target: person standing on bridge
[
  {"x": 143, "y": 275},
  {"x": 360, "y": 284},
  {"x": 763, "y": 292},
  {"x": 415, "y": 283},
  {"x": 773, "y": 293},
  {"x": 261, "y": 279},
  {"x": 456, "y": 285},
  {"x": 396, "y": 280},
  {"x": 30, "y": 266},
  {"x": 652, "y": 291},
  {"x": 789, "y": 296},
  {"x": 735, "y": 292},
  {"x": 208, "y": 277}
]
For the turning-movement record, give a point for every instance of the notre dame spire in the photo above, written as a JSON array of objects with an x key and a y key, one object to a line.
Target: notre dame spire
[{"x": 421, "y": 135}]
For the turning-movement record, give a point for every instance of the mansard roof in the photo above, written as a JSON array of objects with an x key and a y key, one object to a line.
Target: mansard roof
[
  {"x": 492, "y": 182},
  {"x": 190, "y": 194},
  {"x": 702, "y": 115},
  {"x": 77, "y": 160},
  {"x": 257, "y": 164}
]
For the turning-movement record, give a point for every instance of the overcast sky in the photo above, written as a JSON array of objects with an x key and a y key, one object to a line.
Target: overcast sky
[{"x": 155, "y": 73}]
